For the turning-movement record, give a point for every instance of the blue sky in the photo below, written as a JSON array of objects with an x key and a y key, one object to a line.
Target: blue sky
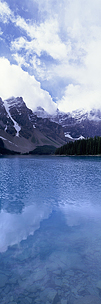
[{"x": 50, "y": 53}]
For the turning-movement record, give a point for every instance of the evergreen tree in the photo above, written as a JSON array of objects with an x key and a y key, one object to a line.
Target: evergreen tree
[{"x": 89, "y": 146}]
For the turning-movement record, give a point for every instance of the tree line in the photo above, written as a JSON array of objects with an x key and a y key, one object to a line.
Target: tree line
[{"x": 89, "y": 146}]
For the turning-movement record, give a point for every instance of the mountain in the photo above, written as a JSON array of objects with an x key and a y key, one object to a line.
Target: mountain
[
  {"x": 22, "y": 131},
  {"x": 77, "y": 124},
  {"x": 81, "y": 123}
]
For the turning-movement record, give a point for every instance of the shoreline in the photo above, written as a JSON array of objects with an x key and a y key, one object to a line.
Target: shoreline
[{"x": 85, "y": 155}]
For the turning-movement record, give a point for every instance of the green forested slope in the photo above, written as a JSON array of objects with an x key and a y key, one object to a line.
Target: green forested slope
[{"x": 91, "y": 146}]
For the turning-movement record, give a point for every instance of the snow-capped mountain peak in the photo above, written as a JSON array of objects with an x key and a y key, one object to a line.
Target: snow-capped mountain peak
[{"x": 40, "y": 112}]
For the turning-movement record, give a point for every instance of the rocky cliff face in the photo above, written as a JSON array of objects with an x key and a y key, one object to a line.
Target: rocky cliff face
[{"x": 22, "y": 131}]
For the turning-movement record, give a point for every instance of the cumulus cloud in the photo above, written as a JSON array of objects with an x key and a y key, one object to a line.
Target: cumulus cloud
[
  {"x": 70, "y": 34},
  {"x": 16, "y": 82},
  {"x": 20, "y": 60},
  {"x": 78, "y": 97},
  {"x": 5, "y": 12},
  {"x": 84, "y": 89},
  {"x": 44, "y": 38}
]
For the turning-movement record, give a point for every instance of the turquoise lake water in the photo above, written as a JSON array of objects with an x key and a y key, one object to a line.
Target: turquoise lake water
[{"x": 50, "y": 230}]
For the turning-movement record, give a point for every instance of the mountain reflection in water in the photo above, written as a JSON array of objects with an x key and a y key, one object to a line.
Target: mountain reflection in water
[{"x": 50, "y": 230}]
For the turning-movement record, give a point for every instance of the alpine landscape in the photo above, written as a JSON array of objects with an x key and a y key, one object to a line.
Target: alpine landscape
[
  {"x": 50, "y": 152},
  {"x": 23, "y": 131}
]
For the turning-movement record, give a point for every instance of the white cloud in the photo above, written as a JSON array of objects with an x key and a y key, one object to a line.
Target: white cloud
[
  {"x": 5, "y": 12},
  {"x": 18, "y": 44},
  {"x": 44, "y": 38},
  {"x": 71, "y": 35},
  {"x": 87, "y": 12},
  {"x": 16, "y": 82},
  {"x": 85, "y": 88},
  {"x": 20, "y": 60},
  {"x": 78, "y": 96},
  {"x": 1, "y": 32}
]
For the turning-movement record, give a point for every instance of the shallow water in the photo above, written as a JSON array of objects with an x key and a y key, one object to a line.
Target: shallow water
[{"x": 50, "y": 230}]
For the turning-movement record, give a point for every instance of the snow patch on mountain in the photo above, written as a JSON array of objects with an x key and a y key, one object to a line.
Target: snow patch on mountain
[
  {"x": 81, "y": 115},
  {"x": 68, "y": 135},
  {"x": 6, "y": 128},
  {"x": 3, "y": 138},
  {"x": 61, "y": 117},
  {"x": 16, "y": 126},
  {"x": 94, "y": 115},
  {"x": 81, "y": 137}
]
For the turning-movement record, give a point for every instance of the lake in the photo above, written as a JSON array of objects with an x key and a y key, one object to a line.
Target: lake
[{"x": 50, "y": 230}]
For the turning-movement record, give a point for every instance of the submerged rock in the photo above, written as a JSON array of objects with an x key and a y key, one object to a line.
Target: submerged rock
[
  {"x": 3, "y": 280},
  {"x": 63, "y": 301},
  {"x": 88, "y": 300},
  {"x": 99, "y": 284},
  {"x": 50, "y": 294},
  {"x": 56, "y": 299}
]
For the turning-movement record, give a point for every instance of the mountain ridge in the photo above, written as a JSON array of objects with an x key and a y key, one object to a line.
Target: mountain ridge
[
  {"x": 79, "y": 123},
  {"x": 23, "y": 130}
]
